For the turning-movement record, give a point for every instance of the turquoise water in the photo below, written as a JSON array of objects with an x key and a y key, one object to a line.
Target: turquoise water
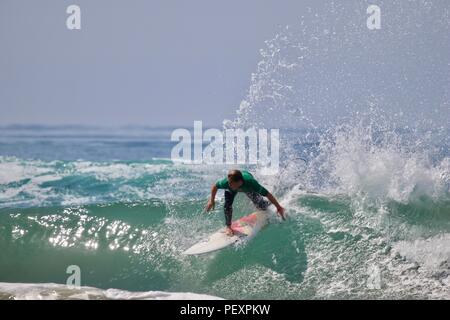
[
  {"x": 125, "y": 223},
  {"x": 364, "y": 176}
]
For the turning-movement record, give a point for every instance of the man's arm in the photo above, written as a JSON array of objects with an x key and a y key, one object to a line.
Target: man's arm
[
  {"x": 280, "y": 209},
  {"x": 211, "y": 203},
  {"x": 263, "y": 191}
]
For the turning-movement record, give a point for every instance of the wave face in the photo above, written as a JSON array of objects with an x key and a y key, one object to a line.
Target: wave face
[
  {"x": 365, "y": 176},
  {"x": 364, "y": 201}
]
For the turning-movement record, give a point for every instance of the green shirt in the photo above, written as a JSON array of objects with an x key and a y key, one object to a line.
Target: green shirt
[{"x": 250, "y": 184}]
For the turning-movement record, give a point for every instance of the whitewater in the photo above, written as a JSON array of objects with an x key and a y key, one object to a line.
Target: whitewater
[{"x": 365, "y": 181}]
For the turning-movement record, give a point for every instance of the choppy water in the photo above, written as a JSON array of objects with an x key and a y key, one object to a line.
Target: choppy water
[
  {"x": 385, "y": 215},
  {"x": 364, "y": 176}
]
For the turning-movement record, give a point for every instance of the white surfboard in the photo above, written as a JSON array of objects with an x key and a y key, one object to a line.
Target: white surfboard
[{"x": 244, "y": 227}]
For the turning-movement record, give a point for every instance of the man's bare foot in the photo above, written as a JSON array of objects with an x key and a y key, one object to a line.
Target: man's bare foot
[{"x": 229, "y": 232}]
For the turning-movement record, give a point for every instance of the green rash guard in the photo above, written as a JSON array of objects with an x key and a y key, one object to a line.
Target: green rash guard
[{"x": 249, "y": 185}]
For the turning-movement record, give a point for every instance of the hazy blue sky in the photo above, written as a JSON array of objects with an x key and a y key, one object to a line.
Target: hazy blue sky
[
  {"x": 147, "y": 62},
  {"x": 165, "y": 62}
]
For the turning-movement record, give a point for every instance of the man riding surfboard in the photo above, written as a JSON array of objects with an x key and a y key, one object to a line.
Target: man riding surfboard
[{"x": 242, "y": 181}]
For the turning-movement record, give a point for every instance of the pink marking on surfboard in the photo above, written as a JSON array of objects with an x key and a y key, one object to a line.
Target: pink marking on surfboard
[
  {"x": 240, "y": 224},
  {"x": 250, "y": 219},
  {"x": 237, "y": 229}
]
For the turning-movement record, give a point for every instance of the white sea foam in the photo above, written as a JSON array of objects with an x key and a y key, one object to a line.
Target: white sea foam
[
  {"x": 431, "y": 253},
  {"x": 52, "y": 291},
  {"x": 359, "y": 164},
  {"x": 16, "y": 170},
  {"x": 109, "y": 171}
]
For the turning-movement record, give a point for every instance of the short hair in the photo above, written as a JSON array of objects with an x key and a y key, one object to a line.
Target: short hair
[{"x": 235, "y": 176}]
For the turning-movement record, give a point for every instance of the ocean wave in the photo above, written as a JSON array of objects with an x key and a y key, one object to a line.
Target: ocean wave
[
  {"x": 53, "y": 291},
  {"x": 27, "y": 183}
]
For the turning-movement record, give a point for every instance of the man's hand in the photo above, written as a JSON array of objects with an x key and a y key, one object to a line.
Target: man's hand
[
  {"x": 211, "y": 203},
  {"x": 281, "y": 211},
  {"x": 210, "y": 206}
]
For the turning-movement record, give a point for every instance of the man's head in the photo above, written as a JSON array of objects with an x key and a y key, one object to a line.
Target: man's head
[{"x": 235, "y": 179}]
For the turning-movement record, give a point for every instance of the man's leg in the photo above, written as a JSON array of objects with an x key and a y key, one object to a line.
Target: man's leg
[
  {"x": 228, "y": 208},
  {"x": 258, "y": 200}
]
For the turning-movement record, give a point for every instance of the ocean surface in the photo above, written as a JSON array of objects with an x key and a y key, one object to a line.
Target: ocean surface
[
  {"x": 366, "y": 220},
  {"x": 364, "y": 122}
]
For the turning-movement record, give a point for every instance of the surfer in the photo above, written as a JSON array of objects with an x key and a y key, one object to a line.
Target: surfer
[{"x": 242, "y": 181}]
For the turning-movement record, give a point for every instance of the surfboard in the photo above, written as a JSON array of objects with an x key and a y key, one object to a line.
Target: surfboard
[{"x": 244, "y": 228}]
